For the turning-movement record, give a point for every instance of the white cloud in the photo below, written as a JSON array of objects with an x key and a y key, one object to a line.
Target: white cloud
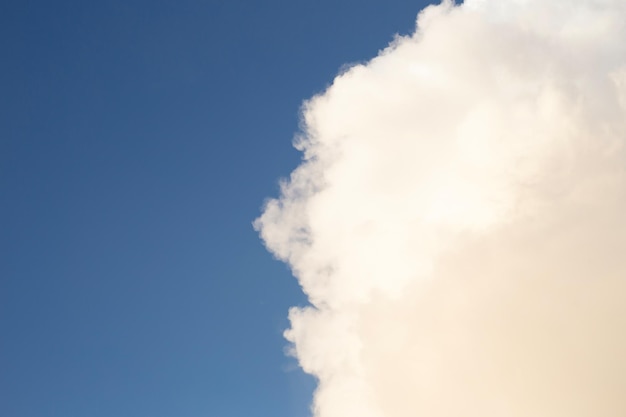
[{"x": 459, "y": 219}]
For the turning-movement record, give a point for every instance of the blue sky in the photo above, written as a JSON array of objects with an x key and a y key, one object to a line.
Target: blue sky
[{"x": 138, "y": 141}]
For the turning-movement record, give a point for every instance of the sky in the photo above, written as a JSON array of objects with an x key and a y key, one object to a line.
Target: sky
[
  {"x": 138, "y": 142},
  {"x": 446, "y": 240}
]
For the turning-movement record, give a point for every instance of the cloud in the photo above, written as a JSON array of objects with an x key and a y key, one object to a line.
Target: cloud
[{"x": 458, "y": 221}]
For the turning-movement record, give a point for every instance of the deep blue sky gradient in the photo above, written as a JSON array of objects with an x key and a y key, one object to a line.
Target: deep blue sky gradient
[{"x": 138, "y": 140}]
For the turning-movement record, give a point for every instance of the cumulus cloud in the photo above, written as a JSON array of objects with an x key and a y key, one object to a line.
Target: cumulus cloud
[{"x": 458, "y": 221}]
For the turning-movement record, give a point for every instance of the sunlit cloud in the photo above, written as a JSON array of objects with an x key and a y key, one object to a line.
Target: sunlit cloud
[{"x": 458, "y": 221}]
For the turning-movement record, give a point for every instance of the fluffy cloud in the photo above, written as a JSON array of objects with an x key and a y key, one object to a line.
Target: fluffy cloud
[{"x": 458, "y": 221}]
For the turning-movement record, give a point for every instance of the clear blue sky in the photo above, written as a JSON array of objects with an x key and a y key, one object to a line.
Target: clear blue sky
[{"x": 138, "y": 140}]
